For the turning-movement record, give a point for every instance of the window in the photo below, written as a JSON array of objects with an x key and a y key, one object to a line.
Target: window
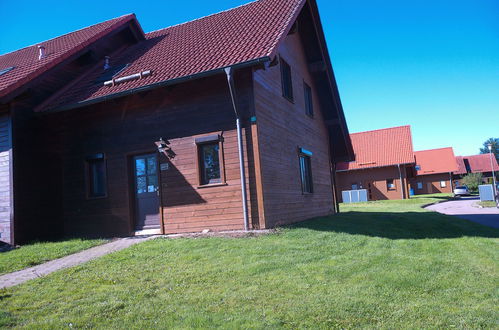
[
  {"x": 146, "y": 174},
  {"x": 4, "y": 71},
  {"x": 443, "y": 184},
  {"x": 390, "y": 184},
  {"x": 306, "y": 171},
  {"x": 309, "y": 104},
  {"x": 96, "y": 176},
  {"x": 287, "y": 84},
  {"x": 210, "y": 160},
  {"x": 354, "y": 186},
  {"x": 420, "y": 185}
]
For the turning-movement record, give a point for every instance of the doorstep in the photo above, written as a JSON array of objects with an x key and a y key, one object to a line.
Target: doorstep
[{"x": 145, "y": 232}]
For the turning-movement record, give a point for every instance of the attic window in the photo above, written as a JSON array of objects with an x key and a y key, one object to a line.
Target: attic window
[
  {"x": 111, "y": 73},
  {"x": 4, "y": 71}
]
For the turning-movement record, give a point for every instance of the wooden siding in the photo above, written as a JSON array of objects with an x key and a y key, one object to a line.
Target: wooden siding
[
  {"x": 283, "y": 127},
  {"x": 374, "y": 180},
  {"x": 129, "y": 126},
  {"x": 6, "y": 209}
]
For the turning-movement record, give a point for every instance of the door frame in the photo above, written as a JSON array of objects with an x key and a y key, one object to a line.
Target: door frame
[{"x": 130, "y": 168}]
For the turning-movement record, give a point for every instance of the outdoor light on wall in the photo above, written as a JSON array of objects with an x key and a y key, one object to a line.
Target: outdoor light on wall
[{"x": 164, "y": 148}]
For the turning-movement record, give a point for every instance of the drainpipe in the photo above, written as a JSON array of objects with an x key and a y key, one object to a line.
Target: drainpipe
[
  {"x": 451, "y": 183},
  {"x": 401, "y": 182},
  {"x": 230, "y": 79}
]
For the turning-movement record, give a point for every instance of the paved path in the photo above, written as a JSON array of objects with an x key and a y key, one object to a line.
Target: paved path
[
  {"x": 27, "y": 274},
  {"x": 468, "y": 209}
]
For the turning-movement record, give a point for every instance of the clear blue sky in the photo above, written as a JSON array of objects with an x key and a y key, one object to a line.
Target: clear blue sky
[{"x": 433, "y": 64}]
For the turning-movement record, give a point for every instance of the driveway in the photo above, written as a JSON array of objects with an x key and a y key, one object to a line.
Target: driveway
[{"x": 467, "y": 208}]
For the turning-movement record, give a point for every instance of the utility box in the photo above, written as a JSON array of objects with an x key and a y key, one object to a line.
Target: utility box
[
  {"x": 354, "y": 196},
  {"x": 486, "y": 192}
]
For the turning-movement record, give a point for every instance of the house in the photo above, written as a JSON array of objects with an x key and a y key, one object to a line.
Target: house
[
  {"x": 434, "y": 170},
  {"x": 476, "y": 164},
  {"x": 228, "y": 122},
  {"x": 384, "y": 161}
]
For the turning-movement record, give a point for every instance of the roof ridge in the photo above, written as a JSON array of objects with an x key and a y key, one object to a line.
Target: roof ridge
[
  {"x": 204, "y": 17},
  {"x": 442, "y": 148},
  {"x": 381, "y": 129},
  {"x": 65, "y": 34}
]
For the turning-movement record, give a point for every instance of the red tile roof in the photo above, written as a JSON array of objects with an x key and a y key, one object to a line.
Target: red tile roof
[
  {"x": 435, "y": 161},
  {"x": 383, "y": 147},
  {"x": 243, "y": 34},
  {"x": 28, "y": 66},
  {"x": 481, "y": 163}
]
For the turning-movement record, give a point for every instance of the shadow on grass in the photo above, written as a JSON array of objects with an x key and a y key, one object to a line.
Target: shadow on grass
[{"x": 404, "y": 225}]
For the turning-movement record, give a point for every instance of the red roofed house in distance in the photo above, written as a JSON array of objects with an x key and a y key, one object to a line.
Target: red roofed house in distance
[
  {"x": 476, "y": 164},
  {"x": 384, "y": 163},
  {"x": 250, "y": 120},
  {"x": 434, "y": 171}
]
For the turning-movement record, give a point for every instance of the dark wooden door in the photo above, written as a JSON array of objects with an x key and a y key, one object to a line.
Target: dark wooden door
[{"x": 146, "y": 186}]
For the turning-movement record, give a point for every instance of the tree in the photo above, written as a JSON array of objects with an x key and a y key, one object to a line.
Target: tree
[
  {"x": 472, "y": 181},
  {"x": 495, "y": 147}
]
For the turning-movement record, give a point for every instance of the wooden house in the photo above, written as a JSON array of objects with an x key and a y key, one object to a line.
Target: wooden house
[
  {"x": 434, "y": 170},
  {"x": 384, "y": 162},
  {"x": 228, "y": 122}
]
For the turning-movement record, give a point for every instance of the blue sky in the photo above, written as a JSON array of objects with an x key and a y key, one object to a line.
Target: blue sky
[{"x": 431, "y": 64}]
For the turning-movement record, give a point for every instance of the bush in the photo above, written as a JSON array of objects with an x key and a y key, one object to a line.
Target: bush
[{"x": 472, "y": 181}]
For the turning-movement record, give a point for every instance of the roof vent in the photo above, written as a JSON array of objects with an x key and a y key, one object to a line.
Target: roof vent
[
  {"x": 41, "y": 53},
  {"x": 106, "y": 63}
]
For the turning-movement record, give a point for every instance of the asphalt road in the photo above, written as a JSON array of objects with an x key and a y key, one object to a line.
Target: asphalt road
[{"x": 468, "y": 209}]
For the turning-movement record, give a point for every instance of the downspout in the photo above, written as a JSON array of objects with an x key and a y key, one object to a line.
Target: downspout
[
  {"x": 402, "y": 188},
  {"x": 451, "y": 183},
  {"x": 230, "y": 80}
]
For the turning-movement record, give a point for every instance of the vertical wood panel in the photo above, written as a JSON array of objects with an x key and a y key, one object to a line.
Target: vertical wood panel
[
  {"x": 6, "y": 209},
  {"x": 283, "y": 126}
]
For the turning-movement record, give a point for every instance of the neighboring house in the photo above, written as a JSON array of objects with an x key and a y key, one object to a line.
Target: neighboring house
[
  {"x": 476, "y": 164},
  {"x": 434, "y": 170},
  {"x": 80, "y": 131},
  {"x": 384, "y": 161}
]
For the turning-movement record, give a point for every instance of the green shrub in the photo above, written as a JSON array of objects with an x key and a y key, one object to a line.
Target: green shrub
[{"x": 472, "y": 181}]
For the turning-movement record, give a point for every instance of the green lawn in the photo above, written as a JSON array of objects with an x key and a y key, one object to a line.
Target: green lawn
[
  {"x": 488, "y": 204},
  {"x": 381, "y": 264},
  {"x": 36, "y": 253}
]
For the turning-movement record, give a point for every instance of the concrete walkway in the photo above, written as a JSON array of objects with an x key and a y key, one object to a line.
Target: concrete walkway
[
  {"x": 467, "y": 208},
  {"x": 27, "y": 274}
]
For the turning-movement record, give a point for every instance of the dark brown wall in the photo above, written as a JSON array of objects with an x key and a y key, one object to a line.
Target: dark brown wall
[
  {"x": 283, "y": 126},
  {"x": 131, "y": 125},
  {"x": 374, "y": 180},
  {"x": 431, "y": 184},
  {"x": 6, "y": 197}
]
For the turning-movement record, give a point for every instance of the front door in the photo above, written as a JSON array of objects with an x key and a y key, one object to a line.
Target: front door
[{"x": 146, "y": 185}]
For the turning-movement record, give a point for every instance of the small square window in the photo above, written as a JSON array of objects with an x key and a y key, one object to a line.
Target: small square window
[
  {"x": 287, "y": 83},
  {"x": 354, "y": 186},
  {"x": 96, "y": 176},
  {"x": 443, "y": 184},
  {"x": 420, "y": 185},
  {"x": 390, "y": 184},
  {"x": 309, "y": 104},
  {"x": 306, "y": 173}
]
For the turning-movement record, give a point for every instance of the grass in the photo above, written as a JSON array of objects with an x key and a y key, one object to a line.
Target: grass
[
  {"x": 487, "y": 204},
  {"x": 37, "y": 253},
  {"x": 380, "y": 264}
]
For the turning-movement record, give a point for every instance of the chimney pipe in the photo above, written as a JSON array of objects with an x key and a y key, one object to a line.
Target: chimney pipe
[
  {"x": 106, "y": 63},
  {"x": 41, "y": 53}
]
